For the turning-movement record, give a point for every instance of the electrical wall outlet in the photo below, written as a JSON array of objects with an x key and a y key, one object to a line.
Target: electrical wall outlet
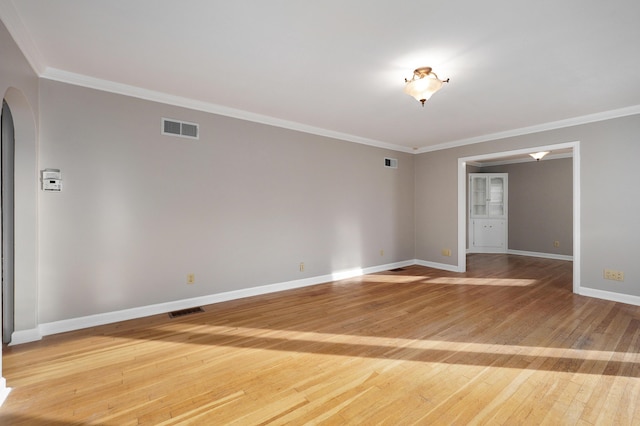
[
  {"x": 301, "y": 266},
  {"x": 556, "y": 243},
  {"x": 191, "y": 278},
  {"x": 610, "y": 274},
  {"x": 446, "y": 252},
  {"x": 381, "y": 252}
]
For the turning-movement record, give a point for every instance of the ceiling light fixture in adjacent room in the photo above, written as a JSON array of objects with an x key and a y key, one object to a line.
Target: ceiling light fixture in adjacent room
[
  {"x": 423, "y": 84},
  {"x": 538, "y": 155}
]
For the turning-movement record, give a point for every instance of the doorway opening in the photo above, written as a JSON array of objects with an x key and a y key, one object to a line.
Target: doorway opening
[{"x": 574, "y": 147}]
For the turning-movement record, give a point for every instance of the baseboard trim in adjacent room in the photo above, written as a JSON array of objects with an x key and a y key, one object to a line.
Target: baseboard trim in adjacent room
[
  {"x": 443, "y": 266},
  {"x": 72, "y": 324},
  {"x": 610, "y": 295},
  {"x": 543, "y": 255}
]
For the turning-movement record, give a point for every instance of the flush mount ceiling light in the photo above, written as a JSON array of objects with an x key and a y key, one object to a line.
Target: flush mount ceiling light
[
  {"x": 423, "y": 84},
  {"x": 538, "y": 155}
]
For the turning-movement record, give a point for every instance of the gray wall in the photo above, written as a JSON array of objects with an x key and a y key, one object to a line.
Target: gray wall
[
  {"x": 540, "y": 205},
  {"x": 239, "y": 208},
  {"x": 609, "y": 232}
]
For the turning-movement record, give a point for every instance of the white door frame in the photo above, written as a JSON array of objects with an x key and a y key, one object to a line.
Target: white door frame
[{"x": 462, "y": 201}]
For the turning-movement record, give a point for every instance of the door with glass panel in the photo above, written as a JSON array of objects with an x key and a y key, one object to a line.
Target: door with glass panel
[{"x": 488, "y": 204}]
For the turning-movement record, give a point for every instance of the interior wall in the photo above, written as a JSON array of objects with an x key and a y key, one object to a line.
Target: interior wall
[
  {"x": 608, "y": 231},
  {"x": 241, "y": 207},
  {"x": 540, "y": 205}
]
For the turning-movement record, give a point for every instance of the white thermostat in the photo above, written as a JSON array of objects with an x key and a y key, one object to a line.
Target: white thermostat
[{"x": 51, "y": 180}]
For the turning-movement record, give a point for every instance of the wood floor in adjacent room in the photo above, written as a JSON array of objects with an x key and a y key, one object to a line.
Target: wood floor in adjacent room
[{"x": 505, "y": 343}]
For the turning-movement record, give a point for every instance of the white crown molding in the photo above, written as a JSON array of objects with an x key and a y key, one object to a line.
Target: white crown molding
[
  {"x": 15, "y": 25},
  {"x": 17, "y": 29},
  {"x": 154, "y": 96},
  {"x": 575, "y": 121}
]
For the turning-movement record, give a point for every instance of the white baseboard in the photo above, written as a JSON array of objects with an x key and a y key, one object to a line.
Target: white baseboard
[
  {"x": 543, "y": 255},
  {"x": 25, "y": 336},
  {"x": 443, "y": 266},
  {"x": 610, "y": 295},
  {"x": 72, "y": 324},
  {"x": 45, "y": 329}
]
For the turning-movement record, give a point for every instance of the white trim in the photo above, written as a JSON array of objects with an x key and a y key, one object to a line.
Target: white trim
[
  {"x": 154, "y": 96},
  {"x": 542, "y": 255},
  {"x": 72, "y": 324},
  {"x": 576, "y": 217},
  {"x": 576, "y": 121},
  {"x": 610, "y": 295},
  {"x": 462, "y": 213},
  {"x": 25, "y": 336},
  {"x": 435, "y": 265}
]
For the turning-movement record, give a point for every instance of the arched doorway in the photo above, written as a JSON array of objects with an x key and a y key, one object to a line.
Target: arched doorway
[
  {"x": 25, "y": 227},
  {"x": 25, "y": 217}
]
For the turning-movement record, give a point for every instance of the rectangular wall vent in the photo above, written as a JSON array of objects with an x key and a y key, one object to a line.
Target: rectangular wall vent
[
  {"x": 182, "y": 129},
  {"x": 184, "y": 312},
  {"x": 391, "y": 163}
]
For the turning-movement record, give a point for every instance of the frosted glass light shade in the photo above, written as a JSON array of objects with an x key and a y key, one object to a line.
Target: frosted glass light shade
[
  {"x": 538, "y": 155},
  {"x": 423, "y": 84},
  {"x": 423, "y": 88}
]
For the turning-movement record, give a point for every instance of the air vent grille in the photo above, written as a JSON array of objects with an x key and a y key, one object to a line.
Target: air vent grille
[
  {"x": 391, "y": 163},
  {"x": 180, "y": 128},
  {"x": 190, "y": 130},
  {"x": 184, "y": 312}
]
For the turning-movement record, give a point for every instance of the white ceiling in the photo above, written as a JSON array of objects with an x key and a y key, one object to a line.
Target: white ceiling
[{"x": 337, "y": 67}]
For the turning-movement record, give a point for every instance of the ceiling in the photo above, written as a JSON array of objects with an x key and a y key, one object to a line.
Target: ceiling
[{"x": 337, "y": 67}]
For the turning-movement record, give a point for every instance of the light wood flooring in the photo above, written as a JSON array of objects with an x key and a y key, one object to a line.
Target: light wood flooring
[{"x": 505, "y": 343}]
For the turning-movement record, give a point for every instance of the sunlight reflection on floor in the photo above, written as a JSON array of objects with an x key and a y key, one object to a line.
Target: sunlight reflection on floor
[
  {"x": 392, "y": 278},
  {"x": 500, "y": 282},
  {"x": 428, "y": 344},
  {"x": 495, "y": 282}
]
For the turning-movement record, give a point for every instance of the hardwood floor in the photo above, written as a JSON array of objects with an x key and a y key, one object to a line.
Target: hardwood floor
[{"x": 505, "y": 343}]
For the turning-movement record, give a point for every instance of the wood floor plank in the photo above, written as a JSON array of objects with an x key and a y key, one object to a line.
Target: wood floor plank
[{"x": 507, "y": 342}]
